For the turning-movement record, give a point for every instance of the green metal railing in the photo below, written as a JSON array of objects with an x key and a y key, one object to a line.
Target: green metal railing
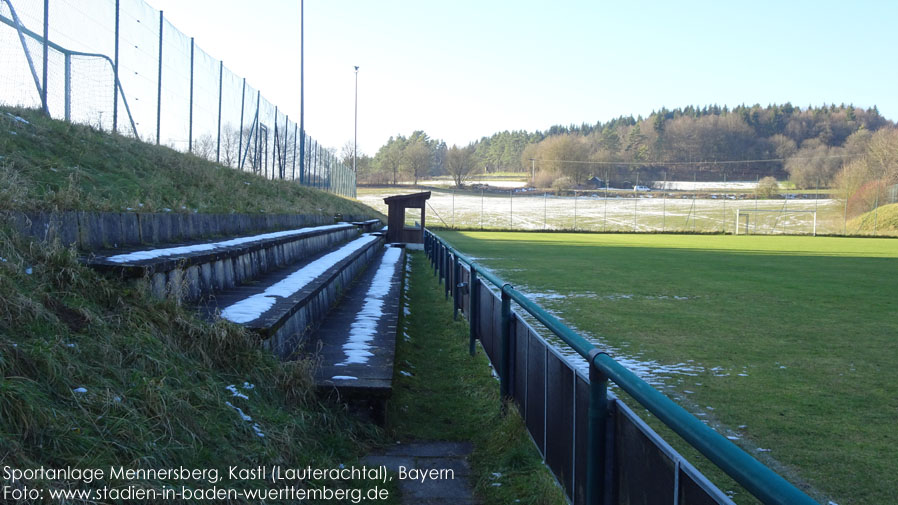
[{"x": 762, "y": 482}]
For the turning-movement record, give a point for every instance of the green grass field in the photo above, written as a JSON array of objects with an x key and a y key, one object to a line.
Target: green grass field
[{"x": 791, "y": 342}]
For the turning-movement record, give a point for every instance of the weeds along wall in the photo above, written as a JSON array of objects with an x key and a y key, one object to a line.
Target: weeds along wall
[{"x": 120, "y": 66}]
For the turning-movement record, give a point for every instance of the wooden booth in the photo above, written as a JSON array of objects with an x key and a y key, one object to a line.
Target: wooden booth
[{"x": 397, "y": 231}]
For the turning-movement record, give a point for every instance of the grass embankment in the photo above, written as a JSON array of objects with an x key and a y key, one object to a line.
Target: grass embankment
[
  {"x": 792, "y": 339},
  {"x": 453, "y": 396},
  {"x": 883, "y": 220},
  {"x": 96, "y": 374},
  {"x": 47, "y": 164}
]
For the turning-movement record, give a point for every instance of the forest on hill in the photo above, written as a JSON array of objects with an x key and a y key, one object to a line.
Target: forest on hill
[{"x": 809, "y": 146}]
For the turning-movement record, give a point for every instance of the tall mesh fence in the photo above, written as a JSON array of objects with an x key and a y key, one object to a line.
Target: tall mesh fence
[{"x": 169, "y": 90}]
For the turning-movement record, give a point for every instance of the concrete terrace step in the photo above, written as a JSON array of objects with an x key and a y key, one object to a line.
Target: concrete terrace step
[
  {"x": 357, "y": 342},
  {"x": 369, "y": 225},
  {"x": 283, "y": 305},
  {"x": 196, "y": 270}
]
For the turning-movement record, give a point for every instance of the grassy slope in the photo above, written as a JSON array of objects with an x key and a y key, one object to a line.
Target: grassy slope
[
  {"x": 453, "y": 396},
  {"x": 884, "y": 220},
  {"x": 54, "y": 165},
  {"x": 810, "y": 321},
  {"x": 155, "y": 375},
  {"x": 155, "y": 379}
]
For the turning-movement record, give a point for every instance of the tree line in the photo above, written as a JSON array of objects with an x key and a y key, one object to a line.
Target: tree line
[{"x": 825, "y": 146}]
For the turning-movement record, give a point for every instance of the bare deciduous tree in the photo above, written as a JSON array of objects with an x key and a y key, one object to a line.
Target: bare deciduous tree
[{"x": 460, "y": 162}]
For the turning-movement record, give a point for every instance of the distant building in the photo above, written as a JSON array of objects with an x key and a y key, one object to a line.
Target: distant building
[{"x": 595, "y": 182}]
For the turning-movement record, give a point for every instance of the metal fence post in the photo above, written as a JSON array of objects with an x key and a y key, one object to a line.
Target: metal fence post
[
  {"x": 595, "y": 450},
  {"x": 159, "y": 85},
  {"x": 115, "y": 72},
  {"x": 664, "y": 205},
  {"x": 220, "y": 79},
  {"x": 456, "y": 270},
  {"x": 274, "y": 143},
  {"x": 474, "y": 310},
  {"x": 68, "y": 86},
  {"x": 284, "y": 157},
  {"x": 293, "y": 174},
  {"x": 505, "y": 368},
  {"x": 511, "y": 209},
  {"x": 190, "y": 122},
  {"x": 46, "y": 56},
  {"x": 313, "y": 164},
  {"x": 240, "y": 126}
]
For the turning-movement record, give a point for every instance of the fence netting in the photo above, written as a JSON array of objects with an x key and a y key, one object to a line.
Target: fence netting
[
  {"x": 170, "y": 91},
  {"x": 682, "y": 207}
]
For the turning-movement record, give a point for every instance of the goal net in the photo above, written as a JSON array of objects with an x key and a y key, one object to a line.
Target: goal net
[{"x": 776, "y": 221}]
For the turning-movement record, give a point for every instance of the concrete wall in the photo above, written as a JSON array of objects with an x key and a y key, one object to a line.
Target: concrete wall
[
  {"x": 93, "y": 231},
  {"x": 197, "y": 281}
]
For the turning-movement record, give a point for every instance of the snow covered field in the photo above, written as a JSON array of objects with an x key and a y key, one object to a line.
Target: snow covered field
[{"x": 649, "y": 213}]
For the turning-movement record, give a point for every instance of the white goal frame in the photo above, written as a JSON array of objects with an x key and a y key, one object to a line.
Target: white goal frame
[{"x": 749, "y": 212}]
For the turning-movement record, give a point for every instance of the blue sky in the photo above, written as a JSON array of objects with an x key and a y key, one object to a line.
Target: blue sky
[{"x": 465, "y": 69}]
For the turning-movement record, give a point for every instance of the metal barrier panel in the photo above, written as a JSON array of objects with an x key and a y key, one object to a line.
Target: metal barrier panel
[
  {"x": 489, "y": 303},
  {"x": 519, "y": 379},
  {"x": 559, "y": 420},
  {"x": 496, "y": 328},
  {"x": 581, "y": 409},
  {"x": 536, "y": 390},
  {"x": 465, "y": 294},
  {"x": 693, "y": 490},
  {"x": 645, "y": 475}
]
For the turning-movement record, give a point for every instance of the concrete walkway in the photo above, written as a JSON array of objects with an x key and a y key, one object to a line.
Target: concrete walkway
[{"x": 432, "y": 473}]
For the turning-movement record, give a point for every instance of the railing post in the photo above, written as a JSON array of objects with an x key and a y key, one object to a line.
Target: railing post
[
  {"x": 439, "y": 265},
  {"x": 447, "y": 272},
  {"x": 505, "y": 368},
  {"x": 434, "y": 250},
  {"x": 456, "y": 270},
  {"x": 595, "y": 450},
  {"x": 473, "y": 310}
]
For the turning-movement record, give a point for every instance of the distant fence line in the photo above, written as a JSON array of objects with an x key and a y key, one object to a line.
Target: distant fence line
[
  {"x": 646, "y": 211},
  {"x": 120, "y": 66}
]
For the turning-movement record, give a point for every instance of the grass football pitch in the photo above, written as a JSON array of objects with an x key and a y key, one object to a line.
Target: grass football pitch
[{"x": 787, "y": 345}]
